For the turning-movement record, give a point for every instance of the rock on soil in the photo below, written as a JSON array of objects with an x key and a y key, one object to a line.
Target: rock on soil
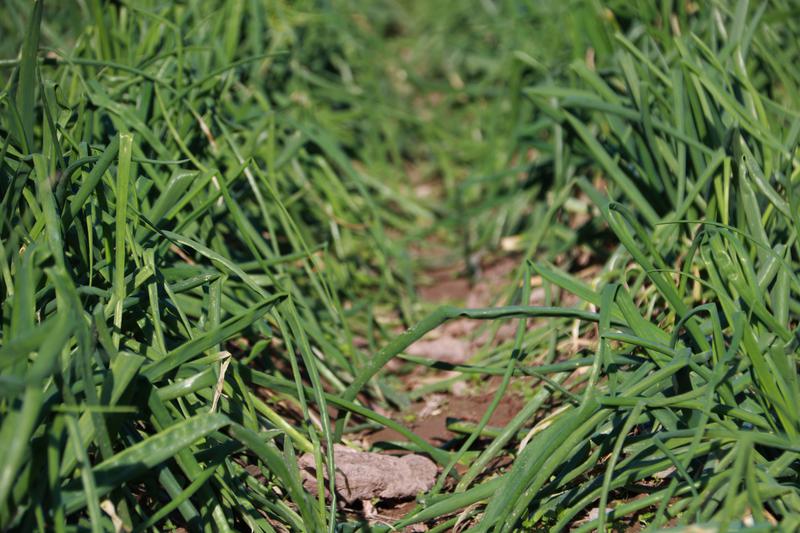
[{"x": 366, "y": 475}]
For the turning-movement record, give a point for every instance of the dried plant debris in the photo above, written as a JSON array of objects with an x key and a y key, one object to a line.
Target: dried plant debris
[{"x": 367, "y": 475}]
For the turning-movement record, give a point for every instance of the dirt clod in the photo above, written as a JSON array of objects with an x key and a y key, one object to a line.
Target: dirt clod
[{"x": 367, "y": 475}]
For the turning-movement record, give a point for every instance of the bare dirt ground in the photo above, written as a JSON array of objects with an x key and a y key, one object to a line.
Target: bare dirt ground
[{"x": 454, "y": 342}]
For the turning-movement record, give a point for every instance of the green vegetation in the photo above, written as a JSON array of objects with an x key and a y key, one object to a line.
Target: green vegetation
[{"x": 211, "y": 219}]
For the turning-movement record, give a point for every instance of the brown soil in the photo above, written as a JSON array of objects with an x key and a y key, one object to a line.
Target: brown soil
[
  {"x": 452, "y": 285},
  {"x": 455, "y": 342},
  {"x": 429, "y": 418}
]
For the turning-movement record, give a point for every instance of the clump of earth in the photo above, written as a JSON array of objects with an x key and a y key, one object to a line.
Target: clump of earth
[{"x": 363, "y": 476}]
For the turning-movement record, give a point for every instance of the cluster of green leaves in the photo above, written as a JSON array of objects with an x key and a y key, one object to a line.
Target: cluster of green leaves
[
  {"x": 174, "y": 180},
  {"x": 690, "y": 125},
  {"x": 686, "y": 120},
  {"x": 203, "y": 201}
]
